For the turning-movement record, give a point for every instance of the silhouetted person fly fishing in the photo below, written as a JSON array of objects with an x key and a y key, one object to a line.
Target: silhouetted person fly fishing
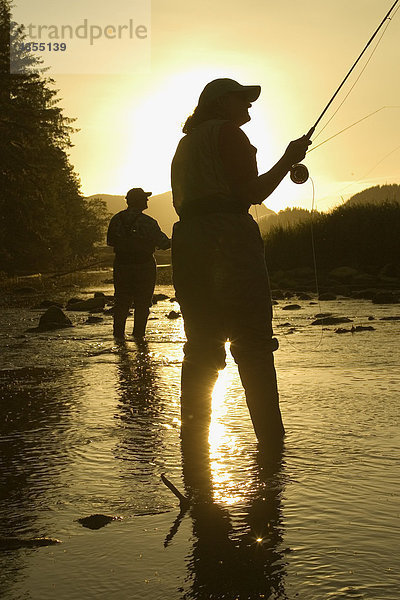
[
  {"x": 219, "y": 268},
  {"x": 135, "y": 237}
]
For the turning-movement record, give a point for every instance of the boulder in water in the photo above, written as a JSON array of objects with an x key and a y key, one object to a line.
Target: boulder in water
[
  {"x": 97, "y": 521},
  {"x": 53, "y": 318}
]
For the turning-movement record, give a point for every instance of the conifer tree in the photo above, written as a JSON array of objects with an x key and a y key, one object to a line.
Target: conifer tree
[{"x": 44, "y": 220}]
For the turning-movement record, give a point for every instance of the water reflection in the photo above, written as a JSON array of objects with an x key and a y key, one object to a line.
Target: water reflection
[
  {"x": 146, "y": 422},
  {"x": 139, "y": 406},
  {"x": 34, "y": 416},
  {"x": 237, "y": 551}
]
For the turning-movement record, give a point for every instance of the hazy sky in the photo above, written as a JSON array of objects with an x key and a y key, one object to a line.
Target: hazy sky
[{"x": 298, "y": 51}]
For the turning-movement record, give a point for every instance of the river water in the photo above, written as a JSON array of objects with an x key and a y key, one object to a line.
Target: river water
[{"x": 88, "y": 427}]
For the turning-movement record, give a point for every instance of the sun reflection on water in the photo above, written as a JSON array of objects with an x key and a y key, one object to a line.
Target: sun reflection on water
[{"x": 224, "y": 444}]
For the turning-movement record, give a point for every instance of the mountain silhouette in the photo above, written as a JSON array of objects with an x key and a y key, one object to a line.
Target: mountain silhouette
[
  {"x": 161, "y": 208},
  {"x": 376, "y": 195}
]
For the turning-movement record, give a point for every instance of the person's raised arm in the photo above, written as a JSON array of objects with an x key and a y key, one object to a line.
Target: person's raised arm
[
  {"x": 239, "y": 161},
  {"x": 262, "y": 186}
]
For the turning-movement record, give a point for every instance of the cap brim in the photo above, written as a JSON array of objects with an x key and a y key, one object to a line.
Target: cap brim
[
  {"x": 148, "y": 194},
  {"x": 252, "y": 92}
]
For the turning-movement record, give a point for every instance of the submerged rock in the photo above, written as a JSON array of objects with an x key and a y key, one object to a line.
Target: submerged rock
[
  {"x": 354, "y": 329},
  {"x": 97, "y": 521},
  {"x": 47, "y": 304},
  {"x": 98, "y": 302},
  {"x": 291, "y": 307},
  {"x": 92, "y": 319},
  {"x": 331, "y": 321},
  {"x": 173, "y": 314},
  {"x": 13, "y": 543},
  {"x": 73, "y": 300},
  {"x": 157, "y": 297}
]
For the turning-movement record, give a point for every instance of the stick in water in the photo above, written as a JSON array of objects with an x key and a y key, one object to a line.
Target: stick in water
[{"x": 183, "y": 501}]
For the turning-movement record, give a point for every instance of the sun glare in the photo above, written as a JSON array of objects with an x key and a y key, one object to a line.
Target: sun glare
[{"x": 222, "y": 442}]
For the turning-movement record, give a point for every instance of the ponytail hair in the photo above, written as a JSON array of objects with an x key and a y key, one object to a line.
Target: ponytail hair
[{"x": 203, "y": 112}]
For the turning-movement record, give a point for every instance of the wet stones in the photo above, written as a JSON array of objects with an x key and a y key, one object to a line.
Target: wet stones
[
  {"x": 95, "y": 303},
  {"x": 14, "y": 543},
  {"x": 331, "y": 321},
  {"x": 355, "y": 329},
  {"x": 47, "y": 304},
  {"x": 92, "y": 320},
  {"x": 157, "y": 297},
  {"x": 173, "y": 314},
  {"x": 97, "y": 521},
  {"x": 53, "y": 318}
]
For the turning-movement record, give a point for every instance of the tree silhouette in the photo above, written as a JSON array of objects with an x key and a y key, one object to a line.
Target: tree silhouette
[{"x": 45, "y": 221}]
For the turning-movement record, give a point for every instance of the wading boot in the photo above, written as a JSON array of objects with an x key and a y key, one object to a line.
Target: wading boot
[
  {"x": 140, "y": 322},
  {"x": 119, "y": 329}
]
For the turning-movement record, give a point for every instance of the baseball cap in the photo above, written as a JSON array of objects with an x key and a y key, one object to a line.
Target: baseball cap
[
  {"x": 219, "y": 87},
  {"x": 136, "y": 194}
]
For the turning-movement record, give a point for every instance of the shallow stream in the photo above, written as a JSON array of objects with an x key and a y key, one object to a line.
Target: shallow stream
[{"x": 88, "y": 427}]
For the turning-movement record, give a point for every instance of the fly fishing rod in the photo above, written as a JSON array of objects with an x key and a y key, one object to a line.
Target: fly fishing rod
[{"x": 299, "y": 172}]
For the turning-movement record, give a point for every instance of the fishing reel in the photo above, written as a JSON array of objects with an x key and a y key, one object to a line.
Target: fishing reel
[{"x": 299, "y": 173}]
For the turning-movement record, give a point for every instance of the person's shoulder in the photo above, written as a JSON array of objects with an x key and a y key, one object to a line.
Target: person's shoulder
[
  {"x": 149, "y": 220},
  {"x": 114, "y": 220},
  {"x": 118, "y": 215},
  {"x": 230, "y": 132}
]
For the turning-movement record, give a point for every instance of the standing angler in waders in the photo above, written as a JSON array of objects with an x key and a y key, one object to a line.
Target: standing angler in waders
[
  {"x": 219, "y": 267},
  {"x": 135, "y": 237}
]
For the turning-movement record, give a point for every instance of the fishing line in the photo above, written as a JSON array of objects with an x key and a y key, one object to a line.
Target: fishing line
[
  {"x": 370, "y": 170},
  {"x": 299, "y": 172},
  {"x": 314, "y": 255},
  {"x": 359, "y": 76},
  {"x": 349, "y": 127}
]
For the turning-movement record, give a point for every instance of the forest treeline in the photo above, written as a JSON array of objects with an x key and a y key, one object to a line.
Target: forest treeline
[
  {"x": 45, "y": 222},
  {"x": 362, "y": 234}
]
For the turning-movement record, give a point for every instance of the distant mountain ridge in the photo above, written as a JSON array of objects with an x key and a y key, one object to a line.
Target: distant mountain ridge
[
  {"x": 377, "y": 194},
  {"x": 161, "y": 208}
]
